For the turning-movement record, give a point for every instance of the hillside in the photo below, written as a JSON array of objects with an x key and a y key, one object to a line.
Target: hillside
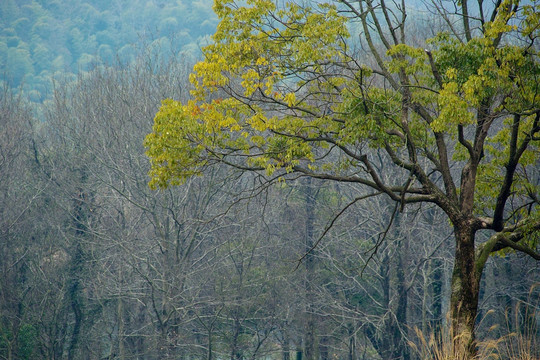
[{"x": 40, "y": 39}]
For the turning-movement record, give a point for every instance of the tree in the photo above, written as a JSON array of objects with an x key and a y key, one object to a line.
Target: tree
[
  {"x": 282, "y": 90},
  {"x": 17, "y": 200},
  {"x": 132, "y": 291}
]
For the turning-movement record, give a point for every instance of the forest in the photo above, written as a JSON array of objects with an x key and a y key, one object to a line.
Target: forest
[
  {"x": 267, "y": 179},
  {"x": 42, "y": 40}
]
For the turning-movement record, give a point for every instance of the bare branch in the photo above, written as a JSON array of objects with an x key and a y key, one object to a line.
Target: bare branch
[{"x": 332, "y": 222}]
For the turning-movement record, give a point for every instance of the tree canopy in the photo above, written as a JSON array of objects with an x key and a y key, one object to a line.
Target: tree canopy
[
  {"x": 452, "y": 119},
  {"x": 45, "y": 38}
]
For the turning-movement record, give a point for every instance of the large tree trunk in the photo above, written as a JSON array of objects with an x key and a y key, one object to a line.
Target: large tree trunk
[{"x": 464, "y": 291}]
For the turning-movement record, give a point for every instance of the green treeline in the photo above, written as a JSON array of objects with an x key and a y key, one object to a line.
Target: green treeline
[{"x": 43, "y": 38}]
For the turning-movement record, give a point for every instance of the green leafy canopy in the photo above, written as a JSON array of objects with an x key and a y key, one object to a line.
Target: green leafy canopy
[{"x": 282, "y": 89}]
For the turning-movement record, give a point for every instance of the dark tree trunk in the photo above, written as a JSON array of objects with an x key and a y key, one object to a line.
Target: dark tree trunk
[
  {"x": 436, "y": 294},
  {"x": 285, "y": 350},
  {"x": 76, "y": 306},
  {"x": 401, "y": 349},
  {"x": 236, "y": 352},
  {"x": 352, "y": 342},
  {"x": 80, "y": 215},
  {"x": 324, "y": 352},
  {"x": 465, "y": 290},
  {"x": 209, "y": 353}
]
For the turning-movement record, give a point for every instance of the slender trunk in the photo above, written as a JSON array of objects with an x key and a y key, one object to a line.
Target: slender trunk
[
  {"x": 324, "y": 353},
  {"x": 162, "y": 341},
  {"x": 310, "y": 338},
  {"x": 400, "y": 345},
  {"x": 236, "y": 353},
  {"x": 425, "y": 294},
  {"x": 120, "y": 315},
  {"x": 10, "y": 350},
  {"x": 508, "y": 301},
  {"x": 436, "y": 294},
  {"x": 76, "y": 307},
  {"x": 352, "y": 343},
  {"x": 209, "y": 355},
  {"x": 285, "y": 350},
  {"x": 80, "y": 219},
  {"x": 383, "y": 337},
  {"x": 464, "y": 291}
]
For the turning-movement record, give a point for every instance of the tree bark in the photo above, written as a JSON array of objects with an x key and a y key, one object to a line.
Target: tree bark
[
  {"x": 464, "y": 290},
  {"x": 209, "y": 354},
  {"x": 352, "y": 342},
  {"x": 236, "y": 352},
  {"x": 76, "y": 268},
  {"x": 436, "y": 294},
  {"x": 401, "y": 349},
  {"x": 285, "y": 350}
]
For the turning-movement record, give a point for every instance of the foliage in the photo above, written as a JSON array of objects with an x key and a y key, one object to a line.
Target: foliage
[
  {"x": 455, "y": 122},
  {"x": 95, "y": 264},
  {"x": 43, "y": 37},
  {"x": 279, "y": 87}
]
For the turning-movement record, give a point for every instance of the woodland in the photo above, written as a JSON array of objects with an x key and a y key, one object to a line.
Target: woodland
[
  {"x": 288, "y": 180},
  {"x": 41, "y": 40}
]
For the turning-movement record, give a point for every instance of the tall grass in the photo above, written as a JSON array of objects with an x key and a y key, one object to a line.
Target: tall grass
[
  {"x": 442, "y": 346},
  {"x": 523, "y": 343}
]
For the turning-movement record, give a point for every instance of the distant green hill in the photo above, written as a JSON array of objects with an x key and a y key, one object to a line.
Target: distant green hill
[{"x": 40, "y": 39}]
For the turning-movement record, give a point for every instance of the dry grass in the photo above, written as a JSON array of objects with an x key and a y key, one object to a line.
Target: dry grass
[
  {"x": 524, "y": 342},
  {"x": 441, "y": 346},
  {"x": 521, "y": 344}
]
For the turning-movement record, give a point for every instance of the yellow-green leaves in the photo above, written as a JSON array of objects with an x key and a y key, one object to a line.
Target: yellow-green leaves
[
  {"x": 280, "y": 84},
  {"x": 174, "y": 144},
  {"x": 371, "y": 117},
  {"x": 497, "y": 149},
  {"x": 260, "y": 49},
  {"x": 264, "y": 59},
  {"x": 453, "y": 109},
  {"x": 530, "y": 26},
  {"x": 408, "y": 59}
]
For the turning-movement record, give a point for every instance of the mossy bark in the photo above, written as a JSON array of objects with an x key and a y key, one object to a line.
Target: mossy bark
[{"x": 464, "y": 291}]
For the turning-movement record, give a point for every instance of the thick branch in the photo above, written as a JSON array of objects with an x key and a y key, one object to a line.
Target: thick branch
[
  {"x": 377, "y": 23},
  {"x": 508, "y": 238},
  {"x": 465, "y": 142},
  {"x": 504, "y": 242},
  {"x": 465, "y": 16},
  {"x": 394, "y": 192},
  {"x": 449, "y": 185},
  {"x": 388, "y": 22},
  {"x": 515, "y": 154},
  {"x": 434, "y": 70}
]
